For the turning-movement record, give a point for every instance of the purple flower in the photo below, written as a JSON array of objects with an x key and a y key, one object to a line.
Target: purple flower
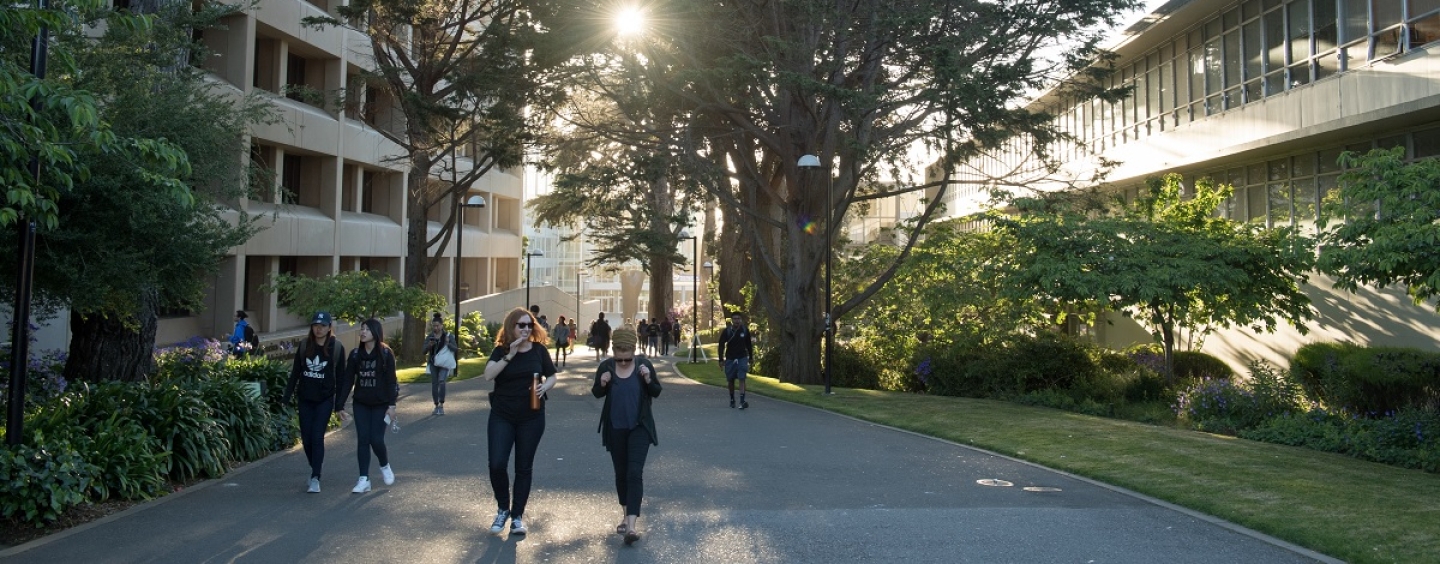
[{"x": 924, "y": 370}]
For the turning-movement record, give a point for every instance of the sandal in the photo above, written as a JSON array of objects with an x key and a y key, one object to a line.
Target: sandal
[
  {"x": 621, "y": 529},
  {"x": 631, "y": 537}
]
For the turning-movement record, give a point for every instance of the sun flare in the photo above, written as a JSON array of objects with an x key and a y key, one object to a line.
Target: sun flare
[{"x": 630, "y": 21}]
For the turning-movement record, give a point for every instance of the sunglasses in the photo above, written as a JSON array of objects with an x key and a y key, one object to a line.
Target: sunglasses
[
  {"x": 624, "y": 360},
  {"x": 524, "y": 325}
]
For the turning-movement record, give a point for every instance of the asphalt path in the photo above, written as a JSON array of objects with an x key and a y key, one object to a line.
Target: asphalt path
[{"x": 775, "y": 483}]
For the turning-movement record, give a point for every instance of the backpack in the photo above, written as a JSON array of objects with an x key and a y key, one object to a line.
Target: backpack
[{"x": 252, "y": 338}]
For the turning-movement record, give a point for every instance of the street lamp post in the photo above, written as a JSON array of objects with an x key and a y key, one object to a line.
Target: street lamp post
[
  {"x": 695, "y": 296},
  {"x": 25, "y": 268},
  {"x": 528, "y": 256},
  {"x": 813, "y": 162},
  {"x": 471, "y": 202},
  {"x": 710, "y": 279}
]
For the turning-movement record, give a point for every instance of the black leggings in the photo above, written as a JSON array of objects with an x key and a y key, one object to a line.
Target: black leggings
[
  {"x": 370, "y": 433},
  {"x": 523, "y": 436},
  {"x": 628, "y": 449},
  {"x": 314, "y": 420}
]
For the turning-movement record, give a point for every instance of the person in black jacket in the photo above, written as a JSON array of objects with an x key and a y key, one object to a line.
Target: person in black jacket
[
  {"x": 600, "y": 336},
  {"x": 627, "y": 425},
  {"x": 734, "y": 353},
  {"x": 371, "y": 372},
  {"x": 315, "y": 379}
]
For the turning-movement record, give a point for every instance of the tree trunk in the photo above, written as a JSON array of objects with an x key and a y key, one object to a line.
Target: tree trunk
[
  {"x": 798, "y": 333},
  {"x": 1167, "y": 338},
  {"x": 801, "y": 326},
  {"x": 103, "y": 348},
  {"x": 662, "y": 287},
  {"x": 417, "y": 253},
  {"x": 733, "y": 263}
]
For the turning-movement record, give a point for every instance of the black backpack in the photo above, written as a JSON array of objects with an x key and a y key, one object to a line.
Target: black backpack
[{"x": 252, "y": 338}]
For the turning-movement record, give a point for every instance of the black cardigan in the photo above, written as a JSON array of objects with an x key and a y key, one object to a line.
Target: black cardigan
[{"x": 647, "y": 418}]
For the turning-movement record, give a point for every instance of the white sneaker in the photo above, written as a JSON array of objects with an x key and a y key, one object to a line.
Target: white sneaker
[
  {"x": 362, "y": 485},
  {"x": 387, "y": 474},
  {"x": 314, "y": 485}
]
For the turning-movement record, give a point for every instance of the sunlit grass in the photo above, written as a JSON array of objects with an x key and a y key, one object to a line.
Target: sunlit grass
[
  {"x": 1344, "y": 507},
  {"x": 469, "y": 368}
]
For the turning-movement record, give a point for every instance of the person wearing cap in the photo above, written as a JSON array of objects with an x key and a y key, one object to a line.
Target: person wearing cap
[
  {"x": 734, "y": 353},
  {"x": 516, "y": 424},
  {"x": 627, "y": 427},
  {"x": 315, "y": 379}
]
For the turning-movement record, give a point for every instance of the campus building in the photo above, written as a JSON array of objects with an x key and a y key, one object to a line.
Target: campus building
[
  {"x": 338, "y": 200},
  {"x": 1263, "y": 95}
]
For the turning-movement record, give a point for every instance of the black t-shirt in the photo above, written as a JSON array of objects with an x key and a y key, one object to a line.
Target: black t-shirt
[{"x": 514, "y": 379}]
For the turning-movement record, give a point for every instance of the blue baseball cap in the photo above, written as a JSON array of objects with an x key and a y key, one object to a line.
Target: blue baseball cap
[{"x": 321, "y": 318}]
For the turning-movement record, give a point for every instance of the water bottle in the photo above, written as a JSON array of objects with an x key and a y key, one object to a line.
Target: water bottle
[{"x": 393, "y": 423}]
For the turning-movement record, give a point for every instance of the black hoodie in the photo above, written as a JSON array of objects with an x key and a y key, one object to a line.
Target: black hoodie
[
  {"x": 372, "y": 376},
  {"x": 316, "y": 372}
]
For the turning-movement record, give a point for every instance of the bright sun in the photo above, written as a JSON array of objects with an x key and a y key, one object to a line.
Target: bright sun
[{"x": 630, "y": 21}]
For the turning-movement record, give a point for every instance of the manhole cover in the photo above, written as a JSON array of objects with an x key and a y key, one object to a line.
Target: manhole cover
[
  {"x": 1040, "y": 489},
  {"x": 994, "y": 483}
]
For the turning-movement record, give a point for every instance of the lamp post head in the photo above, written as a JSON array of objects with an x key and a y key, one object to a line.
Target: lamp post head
[
  {"x": 809, "y": 161},
  {"x": 475, "y": 202}
]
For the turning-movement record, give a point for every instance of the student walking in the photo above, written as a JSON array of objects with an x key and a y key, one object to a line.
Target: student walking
[
  {"x": 652, "y": 337},
  {"x": 243, "y": 341},
  {"x": 523, "y": 371},
  {"x": 627, "y": 426},
  {"x": 734, "y": 353},
  {"x": 666, "y": 335},
  {"x": 440, "y": 370},
  {"x": 600, "y": 336},
  {"x": 371, "y": 373},
  {"x": 315, "y": 379},
  {"x": 562, "y": 337}
]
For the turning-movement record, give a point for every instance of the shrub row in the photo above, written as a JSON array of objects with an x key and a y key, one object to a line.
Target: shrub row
[
  {"x": 1368, "y": 380},
  {"x": 1375, "y": 404},
  {"x": 95, "y": 441}
]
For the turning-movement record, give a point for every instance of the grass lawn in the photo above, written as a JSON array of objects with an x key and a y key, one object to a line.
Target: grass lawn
[
  {"x": 1346, "y": 508},
  {"x": 469, "y": 368}
]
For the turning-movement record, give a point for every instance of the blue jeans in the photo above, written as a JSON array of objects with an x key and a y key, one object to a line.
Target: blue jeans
[
  {"x": 314, "y": 419},
  {"x": 524, "y": 437},
  {"x": 628, "y": 450},
  {"x": 438, "y": 376},
  {"x": 370, "y": 433}
]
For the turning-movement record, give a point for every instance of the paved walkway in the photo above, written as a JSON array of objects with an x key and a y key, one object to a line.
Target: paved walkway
[{"x": 775, "y": 483}]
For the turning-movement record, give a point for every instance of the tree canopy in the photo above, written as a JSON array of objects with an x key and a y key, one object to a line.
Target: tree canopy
[
  {"x": 1380, "y": 226},
  {"x": 57, "y": 126},
  {"x": 860, "y": 85},
  {"x": 352, "y": 296},
  {"x": 141, "y": 225},
  {"x": 615, "y": 150},
  {"x": 464, "y": 79},
  {"x": 1166, "y": 259}
]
